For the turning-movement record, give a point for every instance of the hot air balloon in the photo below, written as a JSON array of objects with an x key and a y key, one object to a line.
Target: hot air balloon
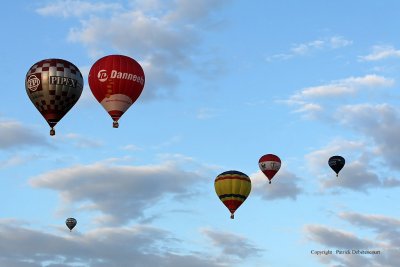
[
  {"x": 232, "y": 188},
  {"x": 269, "y": 165},
  {"x": 336, "y": 163},
  {"x": 70, "y": 222},
  {"x": 116, "y": 82},
  {"x": 53, "y": 86}
]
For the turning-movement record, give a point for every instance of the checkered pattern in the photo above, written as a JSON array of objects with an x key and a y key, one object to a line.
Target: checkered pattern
[
  {"x": 59, "y": 64},
  {"x": 54, "y": 101}
]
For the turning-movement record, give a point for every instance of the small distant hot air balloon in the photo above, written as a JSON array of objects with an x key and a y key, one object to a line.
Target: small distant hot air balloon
[
  {"x": 336, "y": 163},
  {"x": 232, "y": 188},
  {"x": 53, "y": 86},
  {"x": 116, "y": 81},
  {"x": 70, "y": 222},
  {"x": 269, "y": 164}
]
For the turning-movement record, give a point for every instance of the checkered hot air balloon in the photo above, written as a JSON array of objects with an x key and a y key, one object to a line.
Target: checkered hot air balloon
[
  {"x": 269, "y": 164},
  {"x": 53, "y": 86},
  {"x": 232, "y": 188},
  {"x": 116, "y": 82}
]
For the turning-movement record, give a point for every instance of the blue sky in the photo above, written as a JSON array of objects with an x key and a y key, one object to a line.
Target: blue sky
[{"x": 226, "y": 82}]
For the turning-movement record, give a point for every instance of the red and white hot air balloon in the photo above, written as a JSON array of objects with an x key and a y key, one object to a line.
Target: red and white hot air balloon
[
  {"x": 269, "y": 165},
  {"x": 117, "y": 82}
]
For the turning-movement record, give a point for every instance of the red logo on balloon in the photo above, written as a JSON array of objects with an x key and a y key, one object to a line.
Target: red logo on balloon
[{"x": 102, "y": 75}]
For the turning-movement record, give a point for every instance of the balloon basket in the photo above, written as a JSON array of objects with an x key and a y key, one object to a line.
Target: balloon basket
[{"x": 115, "y": 124}]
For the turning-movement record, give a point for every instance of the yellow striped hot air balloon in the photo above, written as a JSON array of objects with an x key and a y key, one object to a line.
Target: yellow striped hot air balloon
[{"x": 232, "y": 188}]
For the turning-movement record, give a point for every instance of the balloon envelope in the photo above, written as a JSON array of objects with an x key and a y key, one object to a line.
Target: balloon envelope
[
  {"x": 336, "y": 163},
  {"x": 232, "y": 188},
  {"x": 53, "y": 86},
  {"x": 269, "y": 164},
  {"x": 70, "y": 222},
  {"x": 116, "y": 82}
]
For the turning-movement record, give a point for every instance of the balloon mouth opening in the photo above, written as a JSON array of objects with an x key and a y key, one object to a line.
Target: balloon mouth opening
[{"x": 115, "y": 124}]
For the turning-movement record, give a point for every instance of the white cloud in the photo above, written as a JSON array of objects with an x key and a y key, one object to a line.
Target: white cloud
[
  {"x": 335, "y": 89},
  {"x": 193, "y": 11},
  {"x": 159, "y": 45},
  {"x": 75, "y": 8},
  {"x": 284, "y": 185},
  {"x": 385, "y": 240},
  {"x": 120, "y": 192},
  {"x": 343, "y": 87},
  {"x": 380, "y": 52},
  {"x": 374, "y": 221},
  {"x": 381, "y": 123},
  {"x": 15, "y": 134},
  {"x": 310, "y": 100},
  {"x": 206, "y": 113},
  {"x": 357, "y": 174},
  {"x": 131, "y": 147},
  {"x": 333, "y": 42},
  {"x": 133, "y": 246},
  {"x": 309, "y": 110},
  {"x": 333, "y": 238},
  {"x": 391, "y": 182},
  {"x": 164, "y": 36},
  {"x": 149, "y": 5},
  {"x": 370, "y": 80},
  {"x": 302, "y": 49},
  {"x": 386, "y": 228},
  {"x": 232, "y": 245},
  {"x": 339, "y": 41},
  {"x": 318, "y": 159}
]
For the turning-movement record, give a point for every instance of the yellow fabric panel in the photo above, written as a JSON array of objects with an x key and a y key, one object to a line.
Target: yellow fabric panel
[
  {"x": 232, "y": 185},
  {"x": 224, "y": 187},
  {"x": 235, "y": 186},
  {"x": 245, "y": 188}
]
